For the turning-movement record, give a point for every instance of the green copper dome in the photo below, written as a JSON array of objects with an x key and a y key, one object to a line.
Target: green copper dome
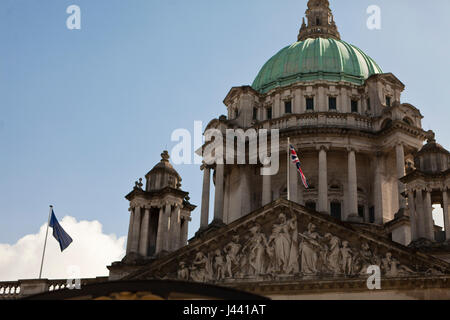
[{"x": 316, "y": 59}]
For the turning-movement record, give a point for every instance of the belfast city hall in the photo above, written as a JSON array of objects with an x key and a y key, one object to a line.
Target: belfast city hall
[{"x": 366, "y": 210}]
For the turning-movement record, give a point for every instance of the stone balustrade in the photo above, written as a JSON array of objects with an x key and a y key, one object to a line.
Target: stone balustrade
[
  {"x": 324, "y": 119},
  {"x": 11, "y": 290}
]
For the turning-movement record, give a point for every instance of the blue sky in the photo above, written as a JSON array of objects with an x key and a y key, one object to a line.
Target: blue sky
[{"x": 84, "y": 113}]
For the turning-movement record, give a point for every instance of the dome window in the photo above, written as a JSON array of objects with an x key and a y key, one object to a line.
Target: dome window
[
  {"x": 354, "y": 106},
  {"x": 368, "y": 104},
  {"x": 332, "y": 105},
  {"x": 288, "y": 107},
  {"x": 269, "y": 113},
  {"x": 310, "y": 104},
  {"x": 388, "y": 101},
  {"x": 255, "y": 113}
]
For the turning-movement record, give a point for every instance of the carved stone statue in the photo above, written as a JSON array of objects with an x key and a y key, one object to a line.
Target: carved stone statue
[
  {"x": 201, "y": 268},
  {"x": 364, "y": 259},
  {"x": 232, "y": 255},
  {"x": 392, "y": 267},
  {"x": 293, "y": 266},
  {"x": 219, "y": 265},
  {"x": 347, "y": 258},
  {"x": 333, "y": 258},
  {"x": 183, "y": 272},
  {"x": 281, "y": 240},
  {"x": 309, "y": 249},
  {"x": 256, "y": 247}
]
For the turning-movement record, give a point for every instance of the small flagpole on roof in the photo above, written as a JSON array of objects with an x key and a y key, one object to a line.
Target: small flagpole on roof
[
  {"x": 288, "y": 168},
  {"x": 45, "y": 242}
]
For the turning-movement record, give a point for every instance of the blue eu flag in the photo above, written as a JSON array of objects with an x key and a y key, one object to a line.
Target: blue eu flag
[{"x": 58, "y": 232}]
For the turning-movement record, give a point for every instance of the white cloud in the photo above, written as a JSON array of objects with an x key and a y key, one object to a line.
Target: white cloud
[{"x": 91, "y": 251}]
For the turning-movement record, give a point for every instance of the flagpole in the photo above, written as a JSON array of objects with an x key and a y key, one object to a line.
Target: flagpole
[
  {"x": 288, "y": 168},
  {"x": 45, "y": 242}
]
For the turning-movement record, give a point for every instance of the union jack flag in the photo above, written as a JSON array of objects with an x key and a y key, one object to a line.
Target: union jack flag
[{"x": 296, "y": 161}]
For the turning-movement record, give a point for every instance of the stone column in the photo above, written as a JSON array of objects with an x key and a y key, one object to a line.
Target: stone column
[
  {"x": 400, "y": 159},
  {"x": 184, "y": 232},
  {"x": 175, "y": 228},
  {"x": 276, "y": 111},
  {"x": 267, "y": 190},
  {"x": 136, "y": 230},
  {"x": 323, "y": 180},
  {"x": 130, "y": 230},
  {"x": 412, "y": 215},
  {"x": 352, "y": 185},
  {"x": 166, "y": 227},
  {"x": 378, "y": 189},
  {"x": 205, "y": 197},
  {"x": 159, "y": 236},
  {"x": 218, "y": 198},
  {"x": 420, "y": 216},
  {"x": 143, "y": 246},
  {"x": 429, "y": 223},
  {"x": 446, "y": 214},
  {"x": 297, "y": 101}
]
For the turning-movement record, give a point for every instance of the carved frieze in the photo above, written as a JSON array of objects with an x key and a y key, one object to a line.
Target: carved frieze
[{"x": 285, "y": 244}]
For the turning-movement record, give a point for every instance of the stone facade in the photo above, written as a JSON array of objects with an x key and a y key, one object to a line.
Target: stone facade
[{"x": 372, "y": 184}]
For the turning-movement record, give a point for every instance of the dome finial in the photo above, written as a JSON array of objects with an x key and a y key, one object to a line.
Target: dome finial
[
  {"x": 165, "y": 156},
  {"x": 320, "y": 22}
]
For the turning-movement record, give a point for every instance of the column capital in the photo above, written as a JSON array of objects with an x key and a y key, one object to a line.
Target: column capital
[
  {"x": 325, "y": 147},
  {"x": 205, "y": 166},
  {"x": 351, "y": 149}
]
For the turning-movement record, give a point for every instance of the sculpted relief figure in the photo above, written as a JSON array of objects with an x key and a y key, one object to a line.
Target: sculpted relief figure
[
  {"x": 219, "y": 265},
  {"x": 392, "y": 267},
  {"x": 283, "y": 246},
  {"x": 364, "y": 259},
  {"x": 333, "y": 258},
  {"x": 183, "y": 272},
  {"x": 201, "y": 270},
  {"x": 347, "y": 258},
  {"x": 232, "y": 256},
  {"x": 256, "y": 246},
  {"x": 309, "y": 249}
]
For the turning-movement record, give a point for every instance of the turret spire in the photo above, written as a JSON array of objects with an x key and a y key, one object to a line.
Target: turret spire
[{"x": 320, "y": 22}]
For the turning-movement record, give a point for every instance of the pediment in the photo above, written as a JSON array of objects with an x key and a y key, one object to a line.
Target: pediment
[{"x": 288, "y": 242}]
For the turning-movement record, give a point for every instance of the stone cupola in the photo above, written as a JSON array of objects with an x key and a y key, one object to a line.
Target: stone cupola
[
  {"x": 162, "y": 175},
  {"x": 432, "y": 158},
  {"x": 320, "y": 22}
]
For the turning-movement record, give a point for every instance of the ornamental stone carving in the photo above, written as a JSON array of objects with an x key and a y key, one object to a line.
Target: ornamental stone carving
[{"x": 283, "y": 252}]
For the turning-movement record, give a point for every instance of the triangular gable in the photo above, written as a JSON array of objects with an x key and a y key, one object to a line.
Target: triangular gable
[{"x": 286, "y": 241}]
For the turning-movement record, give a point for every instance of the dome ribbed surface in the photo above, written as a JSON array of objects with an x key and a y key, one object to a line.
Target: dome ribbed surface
[{"x": 316, "y": 59}]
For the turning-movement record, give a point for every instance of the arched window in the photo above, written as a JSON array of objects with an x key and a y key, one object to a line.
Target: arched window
[
  {"x": 408, "y": 121},
  {"x": 386, "y": 124}
]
